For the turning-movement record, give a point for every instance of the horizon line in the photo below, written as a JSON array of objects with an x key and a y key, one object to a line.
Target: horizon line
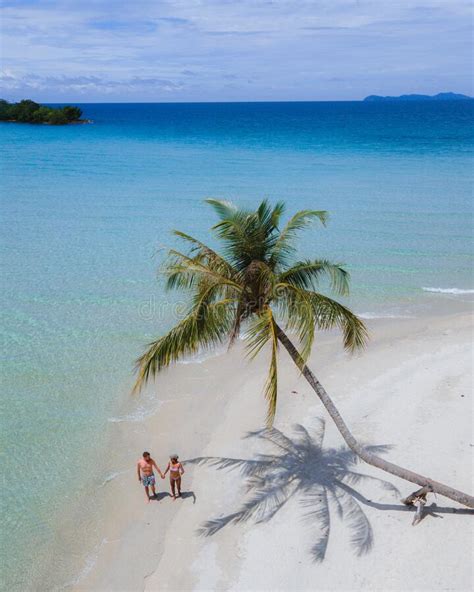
[{"x": 125, "y": 102}]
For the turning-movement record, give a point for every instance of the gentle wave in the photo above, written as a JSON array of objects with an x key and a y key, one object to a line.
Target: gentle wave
[
  {"x": 374, "y": 315},
  {"x": 113, "y": 476},
  {"x": 203, "y": 356},
  {"x": 89, "y": 564},
  {"x": 448, "y": 290},
  {"x": 136, "y": 416}
]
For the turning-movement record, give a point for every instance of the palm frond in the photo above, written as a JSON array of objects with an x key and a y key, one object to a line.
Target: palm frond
[
  {"x": 240, "y": 313},
  {"x": 330, "y": 313},
  {"x": 257, "y": 281},
  {"x": 224, "y": 209},
  {"x": 307, "y": 275},
  {"x": 297, "y": 308},
  {"x": 257, "y": 334},
  {"x": 206, "y": 326},
  {"x": 204, "y": 251},
  {"x": 182, "y": 264},
  {"x": 262, "y": 331},
  {"x": 248, "y": 236},
  {"x": 278, "y": 211},
  {"x": 327, "y": 314},
  {"x": 283, "y": 245},
  {"x": 269, "y": 217}
]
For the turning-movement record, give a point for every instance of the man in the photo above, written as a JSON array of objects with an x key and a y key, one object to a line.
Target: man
[{"x": 145, "y": 474}]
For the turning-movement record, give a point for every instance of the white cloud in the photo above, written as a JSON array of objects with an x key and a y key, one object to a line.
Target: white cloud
[{"x": 287, "y": 49}]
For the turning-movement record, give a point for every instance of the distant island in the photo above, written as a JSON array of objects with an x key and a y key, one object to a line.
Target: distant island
[
  {"x": 28, "y": 111},
  {"x": 446, "y": 96}
]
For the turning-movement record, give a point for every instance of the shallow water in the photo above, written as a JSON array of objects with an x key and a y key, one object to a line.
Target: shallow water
[{"x": 86, "y": 211}]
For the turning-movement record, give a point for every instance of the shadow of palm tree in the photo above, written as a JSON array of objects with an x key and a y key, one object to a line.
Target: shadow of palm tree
[{"x": 321, "y": 479}]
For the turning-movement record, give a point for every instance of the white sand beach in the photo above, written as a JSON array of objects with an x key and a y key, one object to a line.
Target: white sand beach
[{"x": 411, "y": 389}]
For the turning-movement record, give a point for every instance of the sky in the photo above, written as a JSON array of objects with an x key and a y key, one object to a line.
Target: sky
[{"x": 233, "y": 50}]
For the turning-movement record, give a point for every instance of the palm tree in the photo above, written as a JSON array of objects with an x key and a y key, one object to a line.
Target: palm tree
[{"x": 253, "y": 287}]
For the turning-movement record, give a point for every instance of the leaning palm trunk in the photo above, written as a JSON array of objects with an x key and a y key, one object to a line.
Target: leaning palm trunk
[{"x": 361, "y": 451}]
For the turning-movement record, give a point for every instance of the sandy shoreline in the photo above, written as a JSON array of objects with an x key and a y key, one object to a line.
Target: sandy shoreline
[{"x": 411, "y": 389}]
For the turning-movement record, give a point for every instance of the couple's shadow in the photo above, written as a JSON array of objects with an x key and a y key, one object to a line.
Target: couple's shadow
[{"x": 164, "y": 494}]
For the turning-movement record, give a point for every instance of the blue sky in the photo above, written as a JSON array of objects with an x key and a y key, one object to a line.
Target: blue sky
[{"x": 239, "y": 50}]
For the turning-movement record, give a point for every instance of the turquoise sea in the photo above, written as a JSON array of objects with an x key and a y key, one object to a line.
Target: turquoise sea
[{"x": 86, "y": 211}]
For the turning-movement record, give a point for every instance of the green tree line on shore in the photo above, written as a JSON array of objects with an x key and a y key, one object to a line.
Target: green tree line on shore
[{"x": 28, "y": 111}]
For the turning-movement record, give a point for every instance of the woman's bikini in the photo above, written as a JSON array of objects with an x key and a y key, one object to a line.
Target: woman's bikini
[{"x": 174, "y": 471}]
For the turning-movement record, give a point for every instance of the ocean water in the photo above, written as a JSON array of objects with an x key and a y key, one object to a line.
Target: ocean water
[{"x": 87, "y": 211}]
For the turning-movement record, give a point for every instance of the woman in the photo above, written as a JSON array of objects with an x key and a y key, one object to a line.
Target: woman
[{"x": 176, "y": 469}]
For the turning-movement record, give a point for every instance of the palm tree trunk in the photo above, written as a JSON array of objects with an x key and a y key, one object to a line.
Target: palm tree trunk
[{"x": 368, "y": 457}]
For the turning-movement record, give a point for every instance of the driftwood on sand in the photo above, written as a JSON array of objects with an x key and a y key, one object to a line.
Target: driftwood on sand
[{"x": 418, "y": 500}]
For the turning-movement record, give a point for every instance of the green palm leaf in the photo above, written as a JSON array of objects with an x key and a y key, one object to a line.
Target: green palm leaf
[
  {"x": 224, "y": 209},
  {"x": 261, "y": 332},
  {"x": 247, "y": 285},
  {"x": 284, "y": 244},
  {"x": 205, "y": 327},
  {"x": 205, "y": 252},
  {"x": 307, "y": 275},
  {"x": 304, "y": 307}
]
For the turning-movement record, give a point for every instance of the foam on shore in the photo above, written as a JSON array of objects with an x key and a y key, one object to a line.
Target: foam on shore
[{"x": 457, "y": 291}]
